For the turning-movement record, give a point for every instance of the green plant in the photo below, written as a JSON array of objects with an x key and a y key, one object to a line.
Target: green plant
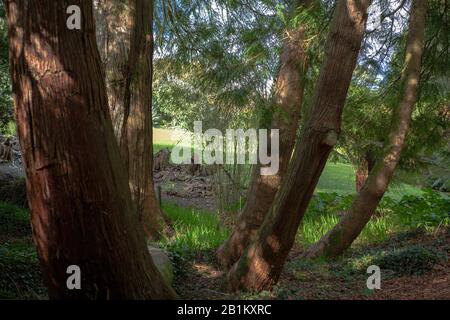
[
  {"x": 20, "y": 275},
  {"x": 14, "y": 221},
  {"x": 194, "y": 230},
  {"x": 14, "y": 192},
  {"x": 324, "y": 213},
  {"x": 413, "y": 260},
  {"x": 426, "y": 212}
]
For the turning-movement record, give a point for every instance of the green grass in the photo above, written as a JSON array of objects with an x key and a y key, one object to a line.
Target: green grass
[
  {"x": 340, "y": 178},
  {"x": 377, "y": 230},
  {"x": 195, "y": 230},
  {"x": 14, "y": 221},
  {"x": 337, "y": 177},
  {"x": 20, "y": 276}
]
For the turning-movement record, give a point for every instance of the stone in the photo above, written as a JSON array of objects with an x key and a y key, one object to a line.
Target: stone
[{"x": 162, "y": 263}]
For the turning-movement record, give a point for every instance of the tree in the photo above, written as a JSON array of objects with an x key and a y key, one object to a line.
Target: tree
[
  {"x": 81, "y": 208},
  {"x": 261, "y": 264},
  {"x": 5, "y": 90},
  {"x": 286, "y": 112},
  {"x": 365, "y": 204},
  {"x": 125, "y": 35}
]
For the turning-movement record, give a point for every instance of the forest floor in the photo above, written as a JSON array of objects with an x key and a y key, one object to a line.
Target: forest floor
[{"x": 340, "y": 279}]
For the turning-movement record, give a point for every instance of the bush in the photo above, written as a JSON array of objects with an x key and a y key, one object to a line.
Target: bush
[
  {"x": 14, "y": 192},
  {"x": 20, "y": 276},
  {"x": 426, "y": 212},
  {"x": 413, "y": 260},
  {"x": 14, "y": 221}
]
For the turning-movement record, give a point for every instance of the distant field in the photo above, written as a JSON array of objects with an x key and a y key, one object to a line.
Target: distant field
[
  {"x": 340, "y": 178},
  {"x": 337, "y": 177},
  {"x": 162, "y": 138}
]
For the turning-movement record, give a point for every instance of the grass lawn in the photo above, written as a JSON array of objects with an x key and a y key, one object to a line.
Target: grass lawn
[
  {"x": 337, "y": 177},
  {"x": 340, "y": 178}
]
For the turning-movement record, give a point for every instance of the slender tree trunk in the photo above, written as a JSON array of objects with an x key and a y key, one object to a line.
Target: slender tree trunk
[
  {"x": 261, "y": 264},
  {"x": 287, "y": 101},
  {"x": 335, "y": 242},
  {"x": 81, "y": 208},
  {"x": 128, "y": 57}
]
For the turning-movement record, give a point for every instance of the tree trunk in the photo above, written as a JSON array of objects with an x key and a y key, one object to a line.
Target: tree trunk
[
  {"x": 288, "y": 101},
  {"x": 261, "y": 264},
  {"x": 128, "y": 57},
  {"x": 81, "y": 208},
  {"x": 365, "y": 166},
  {"x": 114, "y": 22},
  {"x": 335, "y": 242}
]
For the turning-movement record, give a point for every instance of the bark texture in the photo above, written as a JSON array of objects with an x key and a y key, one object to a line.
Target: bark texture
[
  {"x": 365, "y": 166},
  {"x": 81, "y": 208},
  {"x": 335, "y": 242},
  {"x": 287, "y": 109},
  {"x": 261, "y": 264},
  {"x": 128, "y": 60}
]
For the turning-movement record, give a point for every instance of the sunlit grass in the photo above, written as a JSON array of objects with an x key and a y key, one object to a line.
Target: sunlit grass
[
  {"x": 377, "y": 230},
  {"x": 340, "y": 178},
  {"x": 194, "y": 230}
]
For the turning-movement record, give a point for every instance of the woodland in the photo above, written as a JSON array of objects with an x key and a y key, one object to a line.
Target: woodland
[{"x": 344, "y": 106}]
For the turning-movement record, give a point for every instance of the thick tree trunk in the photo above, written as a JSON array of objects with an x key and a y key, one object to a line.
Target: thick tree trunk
[
  {"x": 261, "y": 264},
  {"x": 114, "y": 22},
  {"x": 81, "y": 208},
  {"x": 335, "y": 242},
  {"x": 287, "y": 104},
  {"x": 128, "y": 57}
]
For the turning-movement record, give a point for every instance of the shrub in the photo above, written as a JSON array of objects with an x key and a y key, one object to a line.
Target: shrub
[
  {"x": 426, "y": 212},
  {"x": 14, "y": 221},
  {"x": 14, "y": 191},
  {"x": 413, "y": 260},
  {"x": 20, "y": 276}
]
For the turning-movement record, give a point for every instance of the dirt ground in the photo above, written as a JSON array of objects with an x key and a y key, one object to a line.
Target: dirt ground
[{"x": 203, "y": 279}]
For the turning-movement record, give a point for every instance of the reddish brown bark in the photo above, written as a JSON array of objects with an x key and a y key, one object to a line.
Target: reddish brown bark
[
  {"x": 288, "y": 101},
  {"x": 335, "y": 242},
  {"x": 128, "y": 57},
  {"x": 261, "y": 264},
  {"x": 365, "y": 166},
  {"x": 81, "y": 208}
]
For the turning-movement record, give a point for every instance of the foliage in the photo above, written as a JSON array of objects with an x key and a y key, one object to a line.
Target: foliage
[
  {"x": 20, "y": 275},
  {"x": 324, "y": 213},
  {"x": 14, "y": 221},
  {"x": 427, "y": 212},
  {"x": 195, "y": 230},
  {"x": 411, "y": 212},
  {"x": 14, "y": 192},
  {"x": 5, "y": 87},
  {"x": 413, "y": 260}
]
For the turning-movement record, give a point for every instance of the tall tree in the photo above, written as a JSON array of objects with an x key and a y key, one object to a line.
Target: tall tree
[
  {"x": 81, "y": 208},
  {"x": 261, "y": 264},
  {"x": 286, "y": 112},
  {"x": 347, "y": 230},
  {"x": 125, "y": 35}
]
